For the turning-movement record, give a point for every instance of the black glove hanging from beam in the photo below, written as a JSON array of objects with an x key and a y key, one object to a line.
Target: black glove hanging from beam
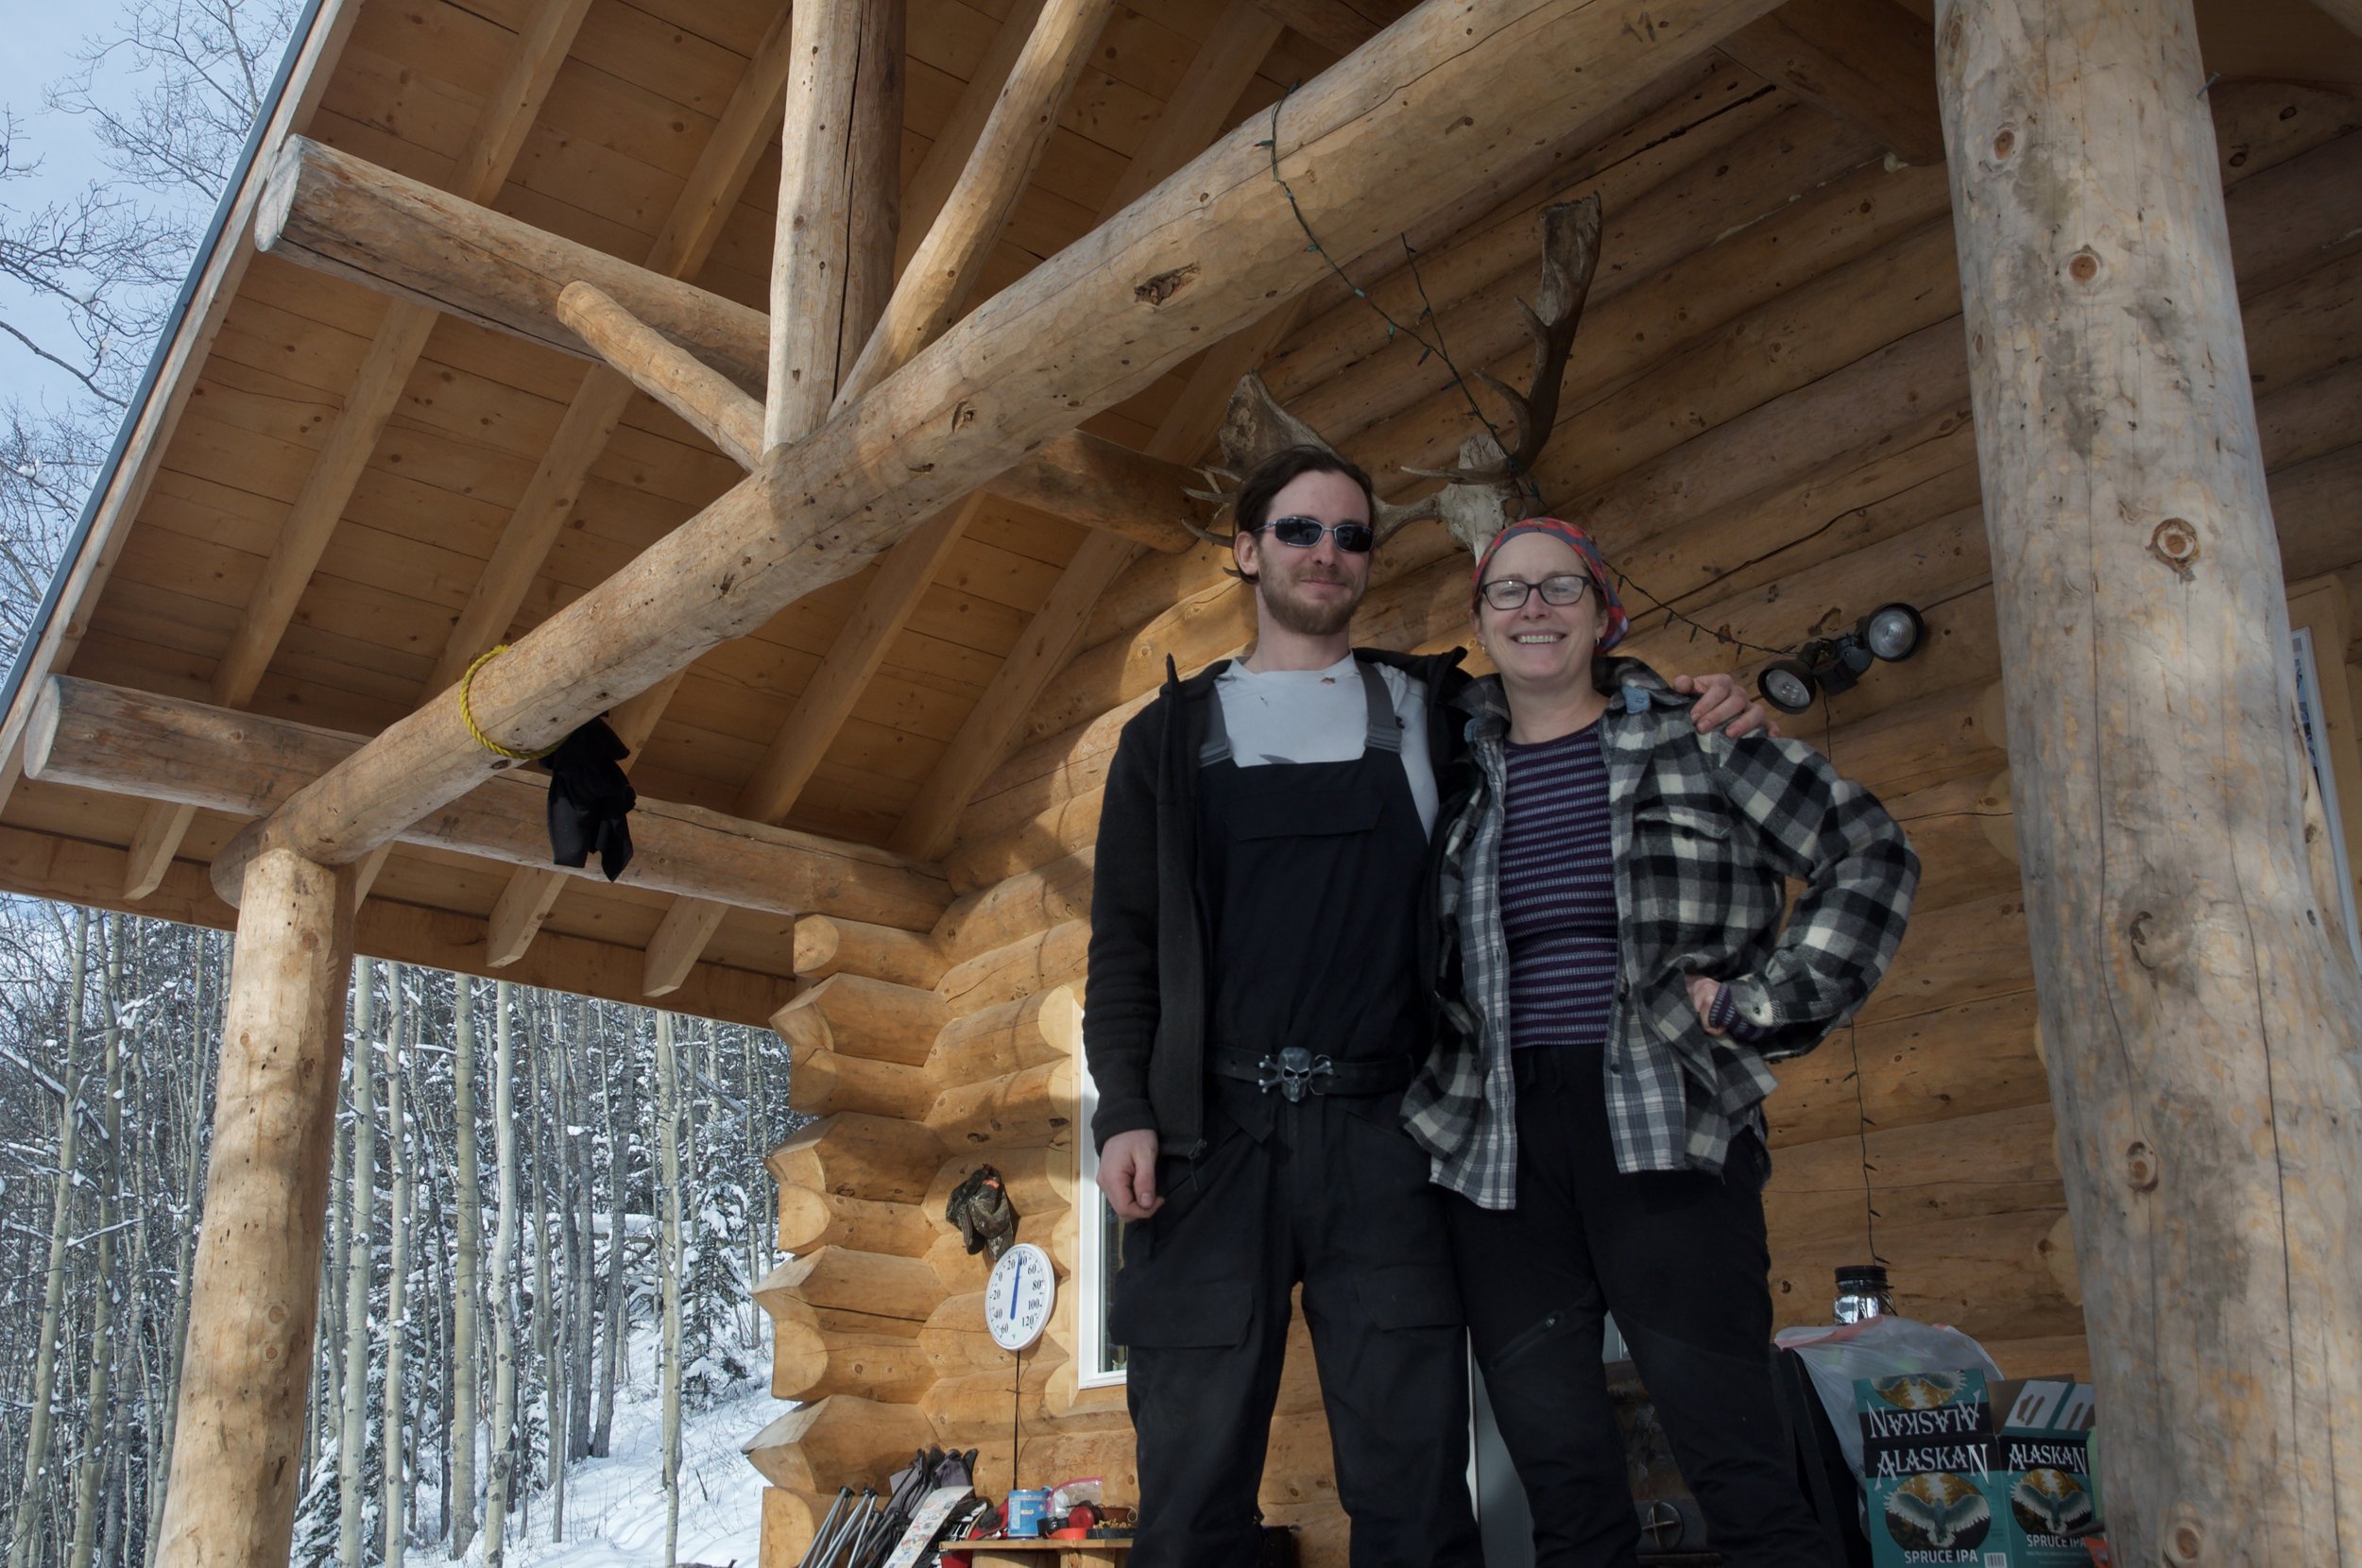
[{"x": 590, "y": 798}]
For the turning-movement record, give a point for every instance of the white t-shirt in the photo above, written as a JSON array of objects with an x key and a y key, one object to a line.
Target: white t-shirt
[{"x": 1320, "y": 716}]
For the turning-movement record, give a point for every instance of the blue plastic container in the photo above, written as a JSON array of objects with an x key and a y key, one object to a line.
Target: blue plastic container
[{"x": 1026, "y": 1508}]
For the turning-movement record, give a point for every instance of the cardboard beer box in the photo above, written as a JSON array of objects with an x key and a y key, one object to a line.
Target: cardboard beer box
[
  {"x": 2043, "y": 1489},
  {"x": 1927, "y": 1459},
  {"x": 1947, "y": 1480}
]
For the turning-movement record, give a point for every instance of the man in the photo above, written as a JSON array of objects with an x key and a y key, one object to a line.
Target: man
[{"x": 1263, "y": 943}]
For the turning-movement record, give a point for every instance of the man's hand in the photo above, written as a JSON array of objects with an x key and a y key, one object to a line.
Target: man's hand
[
  {"x": 1127, "y": 1173},
  {"x": 1702, "y": 994},
  {"x": 1721, "y": 701}
]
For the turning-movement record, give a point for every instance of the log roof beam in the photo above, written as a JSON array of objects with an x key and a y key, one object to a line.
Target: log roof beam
[
  {"x": 94, "y": 736},
  {"x": 1008, "y": 145},
  {"x": 934, "y": 288},
  {"x": 426, "y": 245},
  {"x": 1870, "y": 63},
  {"x": 507, "y": 117},
  {"x": 1192, "y": 260}
]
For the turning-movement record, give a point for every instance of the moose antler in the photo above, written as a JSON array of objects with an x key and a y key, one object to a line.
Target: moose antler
[
  {"x": 1570, "y": 256},
  {"x": 1482, "y": 495},
  {"x": 1256, "y": 426}
]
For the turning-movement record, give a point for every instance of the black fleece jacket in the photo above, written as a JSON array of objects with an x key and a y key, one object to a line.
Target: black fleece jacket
[{"x": 1145, "y": 1008}]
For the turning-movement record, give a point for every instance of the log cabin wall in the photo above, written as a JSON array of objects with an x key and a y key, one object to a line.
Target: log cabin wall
[{"x": 1767, "y": 423}]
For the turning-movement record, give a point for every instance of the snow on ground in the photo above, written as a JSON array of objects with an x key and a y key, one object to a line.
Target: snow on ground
[{"x": 615, "y": 1506}]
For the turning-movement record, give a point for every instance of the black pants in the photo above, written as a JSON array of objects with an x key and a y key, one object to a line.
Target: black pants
[
  {"x": 1332, "y": 1194},
  {"x": 1681, "y": 1260}
]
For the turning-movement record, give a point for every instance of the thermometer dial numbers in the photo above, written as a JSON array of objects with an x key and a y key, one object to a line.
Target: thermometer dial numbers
[{"x": 1020, "y": 1296}]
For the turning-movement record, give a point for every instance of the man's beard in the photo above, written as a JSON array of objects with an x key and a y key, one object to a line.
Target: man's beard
[{"x": 1307, "y": 617}]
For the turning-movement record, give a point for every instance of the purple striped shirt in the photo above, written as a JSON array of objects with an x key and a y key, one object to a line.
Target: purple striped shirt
[{"x": 1558, "y": 893}]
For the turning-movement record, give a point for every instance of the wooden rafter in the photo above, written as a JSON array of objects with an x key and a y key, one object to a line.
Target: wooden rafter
[
  {"x": 704, "y": 397},
  {"x": 1089, "y": 326},
  {"x": 930, "y": 185},
  {"x": 1868, "y": 62},
  {"x": 482, "y": 168},
  {"x": 934, "y": 288},
  {"x": 126, "y": 486},
  {"x": 108, "y": 738}
]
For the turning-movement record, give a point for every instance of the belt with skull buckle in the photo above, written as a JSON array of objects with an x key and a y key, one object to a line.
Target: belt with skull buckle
[{"x": 1295, "y": 1072}]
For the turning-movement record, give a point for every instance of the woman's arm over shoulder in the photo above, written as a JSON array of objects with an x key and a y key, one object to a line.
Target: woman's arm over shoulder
[
  {"x": 1120, "y": 1005},
  {"x": 1859, "y": 875}
]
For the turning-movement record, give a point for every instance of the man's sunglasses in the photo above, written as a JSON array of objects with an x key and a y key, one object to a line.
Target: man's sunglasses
[
  {"x": 1354, "y": 538},
  {"x": 1510, "y": 593}
]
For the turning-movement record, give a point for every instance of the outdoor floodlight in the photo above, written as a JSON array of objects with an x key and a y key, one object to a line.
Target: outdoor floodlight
[{"x": 1831, "y": 665}]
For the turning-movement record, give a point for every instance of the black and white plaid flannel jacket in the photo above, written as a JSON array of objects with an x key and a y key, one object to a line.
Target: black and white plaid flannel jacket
[{"x": 1705, "y": 832}]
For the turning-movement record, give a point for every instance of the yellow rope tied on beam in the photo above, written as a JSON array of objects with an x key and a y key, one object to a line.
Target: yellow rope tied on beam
[{"x": 467, "y": 713}]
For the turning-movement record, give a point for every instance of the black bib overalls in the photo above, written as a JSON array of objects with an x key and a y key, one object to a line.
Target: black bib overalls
[{"x": 1309, "y": 878}]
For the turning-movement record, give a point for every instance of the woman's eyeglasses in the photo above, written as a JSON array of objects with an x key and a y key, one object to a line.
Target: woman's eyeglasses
[
  {"x": 1354, "y": 538},
  {"x": 1509, "y": 594}
]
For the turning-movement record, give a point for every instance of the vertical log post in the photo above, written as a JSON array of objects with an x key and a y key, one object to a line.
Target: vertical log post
[
  {"x": 2202, "y": 1032},
  {"x": 840, "y": 207},
  {"x": 238, "y": 1439}
]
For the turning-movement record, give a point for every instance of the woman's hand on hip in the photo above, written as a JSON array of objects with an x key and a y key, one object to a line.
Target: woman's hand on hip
[{"x": 1702, "y": 990}]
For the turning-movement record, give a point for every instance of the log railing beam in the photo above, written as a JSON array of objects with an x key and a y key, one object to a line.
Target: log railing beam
[
  {"x": 1192, "y": 260},
  {"x": 2202, "y": 1028}
]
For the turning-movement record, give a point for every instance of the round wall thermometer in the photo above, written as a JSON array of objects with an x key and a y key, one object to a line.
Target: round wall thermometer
[{"x": 1017, "y": 1299}]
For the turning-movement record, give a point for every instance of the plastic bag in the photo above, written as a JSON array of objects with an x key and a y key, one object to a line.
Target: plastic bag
[{"x": 1876, "y": 1347}]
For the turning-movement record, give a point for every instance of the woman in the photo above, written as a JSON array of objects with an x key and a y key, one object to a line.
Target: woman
[{"x": 1613, "y": 894}]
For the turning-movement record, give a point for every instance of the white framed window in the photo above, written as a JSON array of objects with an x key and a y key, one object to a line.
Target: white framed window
[
  {"x": 2315, "y": 723},
  {"x": 1099, "y": 1360}
]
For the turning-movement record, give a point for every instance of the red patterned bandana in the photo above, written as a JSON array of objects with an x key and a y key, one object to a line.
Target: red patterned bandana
[{"x": 1615, "y": 622}]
